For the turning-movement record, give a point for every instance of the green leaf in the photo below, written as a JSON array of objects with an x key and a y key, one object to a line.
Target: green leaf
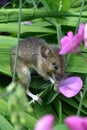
[
  {"x": 4, "y": 124},
  {"x": 6, "y": 43},
  {"x": 61, "y": 127},
  {"x": 84, "y": 100},
  {"x": 46, "y": 5},
  {"x": 59, "y": 5},
  {"x": 30, "y": 121},
  {"x": 65, "y": 5},
  {"x": 39, "y": 83},
  {"x": 51, "y": 97},
  {"x": 58, "y": 107},
  {"x": 53, "y": 5},
  {"x": 41, "y": 110},
  {"x": 3, "y": 105},
  {"x": 77, "y": 64},
  {"x": 14, "y": 28},
  {"x": 72, "y": 104}
]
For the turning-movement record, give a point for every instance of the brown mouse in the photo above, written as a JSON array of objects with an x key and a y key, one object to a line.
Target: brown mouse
[{"x": 35, "y": 53}]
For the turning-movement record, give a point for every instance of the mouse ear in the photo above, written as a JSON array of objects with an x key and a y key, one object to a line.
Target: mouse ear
[{"x": 46, "y": 51}]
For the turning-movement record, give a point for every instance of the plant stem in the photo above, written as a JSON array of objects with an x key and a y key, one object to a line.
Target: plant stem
[
  {"x": 82, "y": 97},
  {"x": 15, "y": 65},
  {"x": 84, "y": 92},
  {"x": 58, "y": 28},
  {"x": 81, "y": 9},
  {"x": 19, "y": 26}
]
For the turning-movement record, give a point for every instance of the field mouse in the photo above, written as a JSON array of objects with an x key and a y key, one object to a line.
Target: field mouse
[{"x": 35, "y": 53}]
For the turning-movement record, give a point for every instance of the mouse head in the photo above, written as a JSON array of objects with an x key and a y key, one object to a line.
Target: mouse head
[{"x": 52, "y": 63}]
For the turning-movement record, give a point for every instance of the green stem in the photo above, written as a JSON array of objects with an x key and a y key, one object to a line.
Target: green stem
[
  {"x": 15, "y": 65},
  {"x": 82, "y": 97},
  {"x": 81, "y": 9},
  {"x": 19, "y": 26},
  {"x": 58, "y": 28},
  {"x": 79, "y": 19},
  {"x": 85, "y": 89}
]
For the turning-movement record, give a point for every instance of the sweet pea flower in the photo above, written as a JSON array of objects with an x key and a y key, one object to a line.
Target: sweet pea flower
[
  {"x": 81, "y": 30},
  {"x": 85, "y": 35},
  {"x": 71, "y": 86},
  {"x": 45, "y": 123},
  {"x": 71, "y": 42},
  {"x": 76, "y": 122}
]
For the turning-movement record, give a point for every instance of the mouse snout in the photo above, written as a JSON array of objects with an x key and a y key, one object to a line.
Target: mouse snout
[{"x": 58, "y": 77}]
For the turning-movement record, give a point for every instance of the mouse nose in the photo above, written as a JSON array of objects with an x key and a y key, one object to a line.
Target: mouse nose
[{"x": 58, "y": 77}]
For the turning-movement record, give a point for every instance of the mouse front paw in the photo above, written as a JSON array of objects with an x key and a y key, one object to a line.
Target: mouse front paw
[
  {"x": 37, "y": 99},
  {"x": 34, "y": 97}
]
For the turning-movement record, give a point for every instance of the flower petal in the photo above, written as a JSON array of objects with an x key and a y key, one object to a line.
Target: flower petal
[
  {"x": 70, "y": 34},
  {"x": 81, "y": 30},
  {"x": 66, "y": 43},
  {"x": 66, "y": 49},
  {"x": 45, "y": 123},
  {"x": 85, "y": 35},
  {"x": 84, "y": 123},
  {"x": 74, "y": 123},
  {"x": 71, "y": 42},
  {"x": 70, "y": 87}
]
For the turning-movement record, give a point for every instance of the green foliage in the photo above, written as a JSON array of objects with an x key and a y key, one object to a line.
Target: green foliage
[
  {"x": 59, "y": 5},
  {"x": 61, "y": 127},
  {"x": 3, "y": 105},
  {"x": 17, "y": 111},
  {"x": 4, "y": 124},
  {"x": 17, "y": 107}
]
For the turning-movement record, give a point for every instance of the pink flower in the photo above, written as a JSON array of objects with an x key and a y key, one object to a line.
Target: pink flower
[
  {"x": 85, "y": 35},
  {"x": 76, "y": 123},
  {"x": 71, "y": 86},
  {"x": 81, "y": 30},
  {"x": 45, "y": 123},
  {"x": 71, "y": 42}
]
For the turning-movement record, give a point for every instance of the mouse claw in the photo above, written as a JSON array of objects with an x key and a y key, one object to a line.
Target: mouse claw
[
  {"x": 34, "y": 97},
  {"x": 37, "y": 99}
]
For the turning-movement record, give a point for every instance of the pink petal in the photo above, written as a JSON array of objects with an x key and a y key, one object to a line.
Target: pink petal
[
  {"x": 85, "y": 35},
  {"x": 70, "y": 43},
  {"x": 85, "y": 31},
  {"x": 66, "y": 43},
  {"x": 66, "y": 49},
  {"x": 70, "y": 34},
  {"x": 45, "y": 123},
  {"x": 75, "y": 123},
  {"x": 70, "y": 87},
  {"x": 66, "y": 40},
  {"x": 81, "y": 30},
  {"x": 79, "y": 36},
  {"x": 77, "y": 40},
  {"x": 84, "y": 123}
]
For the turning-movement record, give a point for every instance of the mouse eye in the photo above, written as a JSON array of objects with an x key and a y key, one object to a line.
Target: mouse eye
[{"x": 55, "y": 66}]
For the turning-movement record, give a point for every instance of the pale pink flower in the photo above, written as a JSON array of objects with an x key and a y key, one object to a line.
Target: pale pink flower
[
  {"x": 71, "y": 86},
  {"x": 45, "y": 123},
  {"x": 71, "y": 43},
  {"x": 76, "y": 123}
]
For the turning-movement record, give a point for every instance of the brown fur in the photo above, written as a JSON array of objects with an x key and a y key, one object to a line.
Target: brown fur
[{"x": 35, "y": 53}]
